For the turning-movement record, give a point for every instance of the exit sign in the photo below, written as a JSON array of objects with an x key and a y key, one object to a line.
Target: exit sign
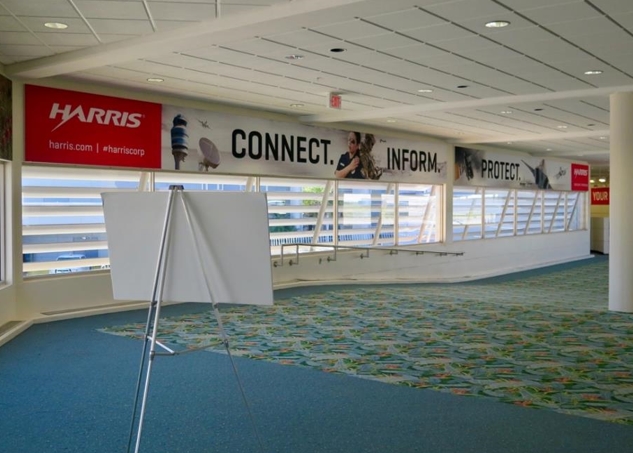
[{"x": 335, "y": 101}]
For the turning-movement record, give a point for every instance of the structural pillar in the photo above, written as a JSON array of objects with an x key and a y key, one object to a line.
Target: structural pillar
[{"x": 621, "y": 204}]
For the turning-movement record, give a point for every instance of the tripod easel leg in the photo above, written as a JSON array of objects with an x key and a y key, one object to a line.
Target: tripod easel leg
[{"x": 152, "y": 325}]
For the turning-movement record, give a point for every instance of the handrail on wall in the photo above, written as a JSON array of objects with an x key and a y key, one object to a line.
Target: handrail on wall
[{"x": 364, "y": 253}]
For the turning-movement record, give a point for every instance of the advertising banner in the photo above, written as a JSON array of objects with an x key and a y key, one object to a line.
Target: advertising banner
[
  {"x": 600, "y": 196},
  {"x": 474, "y": 167},
  {"x": 69, "y": 127},
  {"x": 204, "y": 141}
]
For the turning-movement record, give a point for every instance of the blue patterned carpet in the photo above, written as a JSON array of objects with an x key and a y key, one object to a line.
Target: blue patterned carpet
[{"x": 544, "y": 340}]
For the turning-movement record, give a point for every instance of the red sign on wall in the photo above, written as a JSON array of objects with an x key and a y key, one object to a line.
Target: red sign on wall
[
  {"x": 69, "y": 127},
  {"x": 335, "y": 101},
  {"x": 600, "y": 195},
  {"x": 579, "y": 177}
]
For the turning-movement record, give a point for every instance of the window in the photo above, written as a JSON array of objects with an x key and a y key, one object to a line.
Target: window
[
  {"x": 64, "y": 230},
  {"x": 418, "y": 214},
  {"x": 62, "y": 217},
  {"x": 366, "y": 214},
  {"x": 299, "y": 212},
  {"x": 467, "y": 213},
  {"x": 507, "y": 212}
]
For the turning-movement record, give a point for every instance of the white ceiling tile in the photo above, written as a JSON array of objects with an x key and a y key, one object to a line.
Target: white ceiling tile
[
  {"x": 482, "y": 74},
  {"x": 49, "y": 8},
  {"x": 300, "y": 38},
  {"x": 69, "y": 39},
  {"x": 519, "y": 65},
  {"x": 556, "y": 14},
  {"x": 478, "y": 24},
  {"x": 19, "y": 37},
  {"x": 446, "y": 60},
  {"x": 492, "y": 55},
  {"x": 512, "y": 37},
  {"x": 8, "y": 23},
  {"x": 353, "y": 29},
  {"x": 626, "y": 20},
  {"x": 106, "y": 38},
  {"x": 523, "y": 5},
  {"x": 551, "y": 50},
  {"x": 13, "y": 50},
  {"x": 614, "y": 6},
  {"x": 406, "y": 19},
  {"x": 189, "y": 11},
  {"x": 36, "y": 24},
  {"x": 416, "y": 52},
  {"x": 481, "y": 92},
  {"x": 325, "y": 49},
  {"x": 243, "y": 2},
  {"x": 519, "y": 87},
  {"x": 459, "y": 10},
  {"x": 578, "y": 66},
  {"x": 164, "y": 25},
  {"x": 466, "y": 44},
  {"x": 561, "y": 84},
  {"x": 385, "y": 41},
  {"x": 121, "y": 27},
  {"x": 371, "y": 58},
  {"x": 609, "y": 78},
  {"x": 582, "y": 28},
  {"x": 253, "y": 46},
  {"x": 112, "y": 9},
  {"x": 614, "y": 41},
  {"x": 438, "y": 33}
]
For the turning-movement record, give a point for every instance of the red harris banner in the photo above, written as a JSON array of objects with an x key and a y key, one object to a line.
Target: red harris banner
[
  {"x": 68, "y": 127},
  {"x": 600, "y": 195},
  {"x": 579, "y": 177}
]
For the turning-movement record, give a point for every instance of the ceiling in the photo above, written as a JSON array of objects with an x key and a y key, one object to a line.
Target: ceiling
[{"x": 520, "y": 87}]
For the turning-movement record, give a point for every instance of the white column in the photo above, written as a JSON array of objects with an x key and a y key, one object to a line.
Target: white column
[{"x": 621, "y": 204}]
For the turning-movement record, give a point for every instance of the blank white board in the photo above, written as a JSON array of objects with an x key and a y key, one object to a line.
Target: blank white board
[{"x": 229, "y": 229}]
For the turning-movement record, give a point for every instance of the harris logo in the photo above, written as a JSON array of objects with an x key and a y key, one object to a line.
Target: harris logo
[{"x": 94, "y": 115}]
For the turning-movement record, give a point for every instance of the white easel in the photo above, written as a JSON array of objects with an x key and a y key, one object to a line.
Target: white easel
[{"x": 124, "y": 226}]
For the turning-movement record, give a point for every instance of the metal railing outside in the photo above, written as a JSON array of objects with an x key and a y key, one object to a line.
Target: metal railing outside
[{"x": 364, "y": 252}]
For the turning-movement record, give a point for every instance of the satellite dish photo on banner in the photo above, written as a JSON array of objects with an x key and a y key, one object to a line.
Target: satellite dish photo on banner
[{"x": 216, "y": 246}]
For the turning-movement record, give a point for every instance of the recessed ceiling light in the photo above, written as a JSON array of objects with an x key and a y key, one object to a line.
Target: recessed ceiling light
[
  {"x": 562, "y": 127},
  {"x": 548, "y": 149},
  {"x": 506, "y": 112},
  {"x": 391, "y": 121},
  {"x": 602, "y": 180},
  {"x": 592, "y": 181},
  {"x": 294, "y": 57},
  {"x": 56, "y": 25},
  {"x": 497, "y": 24},
  {"x": 425, "y": 90},
  {"x": 155, "y": 79},
  {"x": 462, "y": 86},
  {"x": 509, "y": 143},
  {"x": 603, "y": 138},
  {"x": 337, "y": 50},
  {"x": 296, "y": 106},
  {"x": 593, "y": 72}
]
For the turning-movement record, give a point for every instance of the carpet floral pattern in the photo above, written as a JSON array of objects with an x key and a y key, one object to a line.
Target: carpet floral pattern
[{"x": 544, "y": 341}]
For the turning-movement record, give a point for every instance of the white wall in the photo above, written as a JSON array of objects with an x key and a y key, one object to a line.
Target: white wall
[
  {"x": 482, "y": 258},
  {"x": 7, "y": 304}
]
